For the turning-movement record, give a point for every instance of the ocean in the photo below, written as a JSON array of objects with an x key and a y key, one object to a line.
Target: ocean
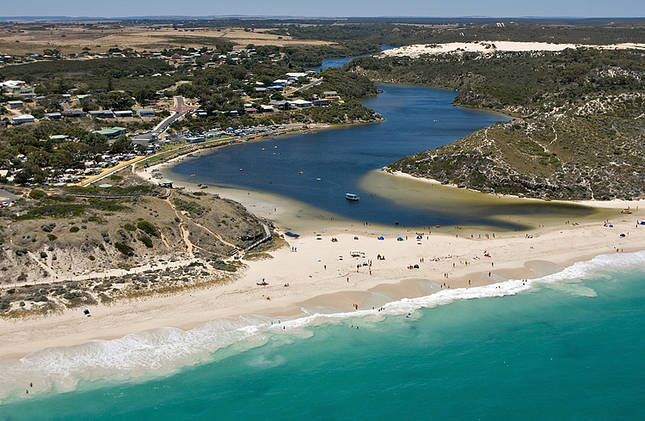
[{"x": 566, "y": 346}]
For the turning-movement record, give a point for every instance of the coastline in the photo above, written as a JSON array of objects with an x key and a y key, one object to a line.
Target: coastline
[
  {"x": 592, "y": 203},
  {"x": 314, "y": 279},
  {"x": 315, "y": 270},
  {"x": 117, "y": 342},
  {"x": 320, "y": 278}
]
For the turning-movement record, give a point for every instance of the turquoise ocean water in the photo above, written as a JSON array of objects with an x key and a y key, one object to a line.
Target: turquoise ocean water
[{"x": 568, "y": 347}]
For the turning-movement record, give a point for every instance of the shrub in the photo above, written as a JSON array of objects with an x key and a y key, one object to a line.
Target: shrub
[
  {"x": 149, "y": 228},
  {"x": 146, "y": 240},
  {"x": 37, "y": 194},
  {"x": 124, "y": 249}
]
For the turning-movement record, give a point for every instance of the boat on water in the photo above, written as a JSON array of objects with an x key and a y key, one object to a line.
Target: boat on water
[{"x": 352, "y": 197}]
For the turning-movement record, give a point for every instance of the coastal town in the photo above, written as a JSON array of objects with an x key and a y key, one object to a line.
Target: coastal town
[{"x": 143, "y": 126}]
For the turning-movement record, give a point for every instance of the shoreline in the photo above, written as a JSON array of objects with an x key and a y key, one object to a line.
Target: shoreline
[
  {"x": 187, "y": 327},
  {"x": 315, "y": 270},
  {"x": 592, "y": 203}
]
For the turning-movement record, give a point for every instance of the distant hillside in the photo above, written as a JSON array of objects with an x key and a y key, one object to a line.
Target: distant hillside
[{"x": 578, "y": 127}]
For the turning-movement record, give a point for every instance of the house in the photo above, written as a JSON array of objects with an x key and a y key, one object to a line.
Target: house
[
  {"x": 27, "y": 95},
  {"x": 58, "y": 137},
  {"x": 281, "y": 105},
  {"x": 145, "y": 112},
  {"x": 321, "y": 102},
  {"x": 15, "y": 105},
  {"x": 196, "y": 139},
  {"x": 166, "y": 183},
  {"x": 266, "y": 108},
  {"x": 301, "y": 103},
  {"x": 14, "y": 86},
  {"x": 331, "y": 95},
  {"x": 102, "y": 114},
  {"x": 53, "y": 116},
  {"x": 111, "y": 132},
  {"x": 73, "y": 113},
  {"x": 123, "y": 114},
  {"x": 297, "y": 75},
  {"x": 22, "y": 119}
]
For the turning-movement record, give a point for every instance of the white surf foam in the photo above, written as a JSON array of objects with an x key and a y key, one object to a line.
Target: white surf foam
[{"x": 162, "y": 351}]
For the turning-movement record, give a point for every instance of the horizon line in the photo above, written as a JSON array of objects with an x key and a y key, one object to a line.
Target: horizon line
[{"x": 170, "y": 16}]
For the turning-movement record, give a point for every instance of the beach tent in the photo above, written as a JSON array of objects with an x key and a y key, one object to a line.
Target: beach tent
[
  {"x": 400, "y": 239},
  {"x": 622, "y": 235},
  {"x": 381, "y": 238}
]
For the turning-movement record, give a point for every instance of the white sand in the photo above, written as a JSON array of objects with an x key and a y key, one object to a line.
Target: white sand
[
  {"x": 304, "y": 270},
  {"x": 419, "y": 50}
]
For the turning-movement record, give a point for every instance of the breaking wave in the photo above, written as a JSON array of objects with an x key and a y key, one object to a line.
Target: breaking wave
[{"x": 163, "y": 351}]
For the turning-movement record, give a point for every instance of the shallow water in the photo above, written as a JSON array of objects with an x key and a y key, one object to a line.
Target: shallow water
[
  {"x": 562, "y": 349},
  {"x": 319, "y": 168}
]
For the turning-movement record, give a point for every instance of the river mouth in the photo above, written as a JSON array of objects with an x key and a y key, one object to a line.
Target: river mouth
[{"x": 312, "y": 172}]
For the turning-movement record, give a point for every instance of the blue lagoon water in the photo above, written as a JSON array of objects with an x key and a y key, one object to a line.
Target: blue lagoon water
[
  {"x": 564, "y": 350},
  {"x": 338, "y": 62},
  {"x": 319, "y": 168}
]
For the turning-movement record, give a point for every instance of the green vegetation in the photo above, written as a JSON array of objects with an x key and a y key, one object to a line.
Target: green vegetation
[
  {"x": 348, "y": 85},
  {"x": 125, "y": 249},
  {"x": 576, "y": 135},
  {"x": 426, "y": 31},
  {"x": 53, "y": 210},
  {"x": 40, "y": 151},
  {"x": 147, "y": 241},
  {"x": 130, "y": 74},
  {"x": 189, "y": 206},
  {"x": 149, "y": 228},
  {"x": 515, "y": 81}
]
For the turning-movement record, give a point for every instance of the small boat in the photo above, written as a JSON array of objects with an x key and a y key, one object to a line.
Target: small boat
[
  {"x": 352, "y": 197},
  {"x": 291, "y": 234}
]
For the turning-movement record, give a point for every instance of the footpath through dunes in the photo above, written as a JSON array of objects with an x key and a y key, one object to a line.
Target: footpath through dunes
[{"x": 314, "y": 171}]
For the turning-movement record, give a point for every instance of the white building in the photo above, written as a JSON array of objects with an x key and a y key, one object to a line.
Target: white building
[
  {"x": 22, "y": 119},
  {"x": 15, "y": 105}
]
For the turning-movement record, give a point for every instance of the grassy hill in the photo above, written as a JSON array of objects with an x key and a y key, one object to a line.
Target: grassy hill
[{"x": 578, "y": 126}]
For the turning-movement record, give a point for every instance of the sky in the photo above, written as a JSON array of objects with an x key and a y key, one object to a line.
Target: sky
[{"x": 325, "y": 8}]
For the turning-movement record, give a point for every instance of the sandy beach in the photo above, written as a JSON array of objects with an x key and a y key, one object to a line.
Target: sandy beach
[{"x": 302, "y": 276}]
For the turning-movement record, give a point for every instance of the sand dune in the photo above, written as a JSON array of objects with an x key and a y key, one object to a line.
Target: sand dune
[{"x": 419, "y": 50}]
